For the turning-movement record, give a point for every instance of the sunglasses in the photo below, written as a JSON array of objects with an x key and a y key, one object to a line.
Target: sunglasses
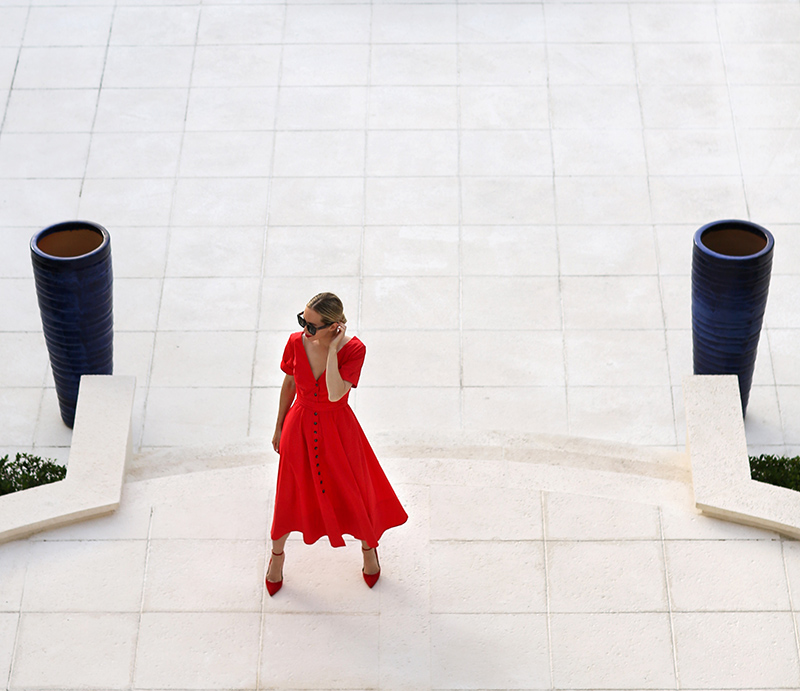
[{"x": 312, "y": 330}]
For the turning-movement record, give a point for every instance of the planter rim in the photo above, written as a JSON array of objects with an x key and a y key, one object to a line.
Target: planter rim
[
  {"x": 735, "y": 223},
  {"x": 69, "y": 225}
]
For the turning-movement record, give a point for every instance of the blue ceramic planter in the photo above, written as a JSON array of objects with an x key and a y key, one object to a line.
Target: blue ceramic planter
[
  {"x": 731, "y": 266},
  {"x": 72, "y": 269}
]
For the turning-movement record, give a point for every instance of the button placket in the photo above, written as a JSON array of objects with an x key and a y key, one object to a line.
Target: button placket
[{"x": 316, "y": 452}]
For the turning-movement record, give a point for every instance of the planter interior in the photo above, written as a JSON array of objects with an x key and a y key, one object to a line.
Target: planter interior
[
  {"x": 734, "y": 240},
  {"x": 70, "y": 243}
]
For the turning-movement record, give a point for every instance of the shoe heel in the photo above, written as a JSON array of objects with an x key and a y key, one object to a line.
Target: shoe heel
[
  {"x": 371, "y": 578},
  {"x": 273, "y": 588}
]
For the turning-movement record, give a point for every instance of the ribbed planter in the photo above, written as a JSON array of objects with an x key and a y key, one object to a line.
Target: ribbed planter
[
  {"x": 72, "y": 268},
  {"x": 731, "y": 266}
]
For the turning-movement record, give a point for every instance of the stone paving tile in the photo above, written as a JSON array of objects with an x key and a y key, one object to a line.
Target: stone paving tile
[
  {"x": 573, "y": 517},
  {"x": 620, "y": 651},
  {"x": 85, "y": 576},
  {"x": 13, "y": 566},
  {"x": 606, "y": 576},
  {"x": 506, "y": 182},
  {"x": 455, "y": 517},
  {"x": 225, "y": 576},
  {"x": 486, "y": 650},
  {"x": 8, "y": 630},
  {"x": 327, "y": 640},
  {"x": 700, "y": 576},
  {"x": 452, "y": 589},
  {"x": 710, "y": 647},
  {"x": 511, "y": 577},
  {"x": 57, "y": 649},
  {"x": 197, "y": 650}
]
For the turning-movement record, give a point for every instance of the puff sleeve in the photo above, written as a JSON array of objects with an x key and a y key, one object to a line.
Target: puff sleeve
[
  {"x": 350, "y": 366},
  {"x": 287, "y": 363}
]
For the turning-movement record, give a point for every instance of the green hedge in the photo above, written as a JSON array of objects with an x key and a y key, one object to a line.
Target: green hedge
[
  {"x": 28, "y": 471},
  {"x": 776, "y": 470}
]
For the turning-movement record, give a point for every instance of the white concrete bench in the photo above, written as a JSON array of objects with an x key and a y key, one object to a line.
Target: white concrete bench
[
  {"x": 717, "y": 447},
  {"x": 101, "y": 447}
]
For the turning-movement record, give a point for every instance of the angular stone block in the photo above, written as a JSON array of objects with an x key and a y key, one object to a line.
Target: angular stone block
[
  {"x": 101, "y": 447},
  {"x": 717, "y": 448}
]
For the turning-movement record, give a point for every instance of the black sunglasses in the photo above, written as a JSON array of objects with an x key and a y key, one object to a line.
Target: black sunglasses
[{"x": 312, "y": 330}]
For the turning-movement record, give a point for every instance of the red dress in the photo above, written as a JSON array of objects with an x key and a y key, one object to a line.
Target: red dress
[{"x": 329, "y": 480}]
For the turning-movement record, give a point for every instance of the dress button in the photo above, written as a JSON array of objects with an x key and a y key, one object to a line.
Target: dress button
[{"x": 315, "y": 414}]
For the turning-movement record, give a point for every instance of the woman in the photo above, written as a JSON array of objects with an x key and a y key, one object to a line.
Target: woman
[{"x": 329, "y": 480}]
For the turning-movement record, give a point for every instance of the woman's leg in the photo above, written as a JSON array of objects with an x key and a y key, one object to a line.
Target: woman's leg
[
  {"x": 275, "y": 572},
  {"x": 371, "y": 565}
]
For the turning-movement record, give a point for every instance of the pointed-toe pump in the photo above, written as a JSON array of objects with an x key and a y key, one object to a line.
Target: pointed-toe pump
[
  {"x": 371, "y": 578},
  {"x": 273, "y": 588}
]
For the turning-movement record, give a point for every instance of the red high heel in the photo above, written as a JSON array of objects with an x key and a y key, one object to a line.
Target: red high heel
[
  {"x": 273, "y": 588},
  {"x": 371, "y": 578}
]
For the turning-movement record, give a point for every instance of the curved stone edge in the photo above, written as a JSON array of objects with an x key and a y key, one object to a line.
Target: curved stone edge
[
  {"x": 547, "y": 449},
  {"x": 717, "y": 448},
  {"x": 101, "y": 448}
]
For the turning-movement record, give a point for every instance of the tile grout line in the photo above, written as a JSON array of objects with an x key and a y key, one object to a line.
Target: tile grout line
[
  {"x": 653, "y": 233},
  {"x": 673, "y": 637},
  {"x": 97, "y": 102},
  {"x": 135, "y": 658},
  {"x": 163, "y": 278},
  {"x": 548, "y": 613},
  {"x": 563, "y": 327},
  {"x": 363, "y": 235},
  {"x": 14, "y": 72},
  {"x": 792, "y": 611},
  {"x": 784, "y": 445},
  {"x": 18, "y": 629},
  {"x": 265, "y": 226},
  {"x": 43, "y": 385},
  {"x": 721, "y": 44},
  {"x": 263, "y": 611},
  {"x": 460, "y": 305},
  {"x": 267, "y": 545}
]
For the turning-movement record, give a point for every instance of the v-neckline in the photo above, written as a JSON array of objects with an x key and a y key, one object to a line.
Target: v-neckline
[{"x": 308, "y": 359}]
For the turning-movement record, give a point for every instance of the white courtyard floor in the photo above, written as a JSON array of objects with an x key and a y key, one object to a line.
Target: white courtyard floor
[{"x": 504, "y": 195}]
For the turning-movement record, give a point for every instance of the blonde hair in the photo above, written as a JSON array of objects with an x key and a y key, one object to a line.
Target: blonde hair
[{"x": 329, "y": 307}]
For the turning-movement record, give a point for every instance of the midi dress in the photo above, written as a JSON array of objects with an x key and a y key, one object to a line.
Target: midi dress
[{"x": 330, "y": 482}]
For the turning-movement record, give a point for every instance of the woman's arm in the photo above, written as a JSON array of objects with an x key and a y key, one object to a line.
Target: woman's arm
[
  {"x": 337, "y": 387},
  {"x": 288, "y": 390}
]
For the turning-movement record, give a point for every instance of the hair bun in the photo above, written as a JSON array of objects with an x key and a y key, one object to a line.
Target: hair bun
[{"x": 329, "y": 307}]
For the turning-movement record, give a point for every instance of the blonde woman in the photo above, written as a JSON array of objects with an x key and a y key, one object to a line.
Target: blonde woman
[{"x": 329, "y": 480}]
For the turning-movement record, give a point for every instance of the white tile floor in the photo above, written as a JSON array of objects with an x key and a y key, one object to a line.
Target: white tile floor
[
  {"x": 557, "y": 589},
  {"x": 458, "y": 166},
  {"x": 504, "y": 195}
]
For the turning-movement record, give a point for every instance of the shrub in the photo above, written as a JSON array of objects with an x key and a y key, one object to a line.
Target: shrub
[
  {"x": 28, "y": 471},
  {"x": 776, "y": 470}
]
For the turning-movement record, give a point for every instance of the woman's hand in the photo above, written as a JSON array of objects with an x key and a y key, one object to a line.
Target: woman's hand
[
  {"x": 276, "y": 440},
  {"x": 338, "y": 337}
]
